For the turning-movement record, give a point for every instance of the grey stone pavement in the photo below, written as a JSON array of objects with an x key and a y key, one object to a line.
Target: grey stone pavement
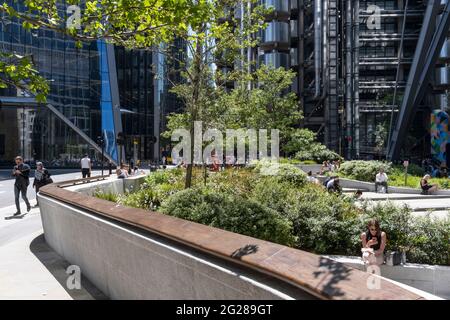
[
  {"x": 435, "y": 205},
  {"x": 29, "y": 268}
]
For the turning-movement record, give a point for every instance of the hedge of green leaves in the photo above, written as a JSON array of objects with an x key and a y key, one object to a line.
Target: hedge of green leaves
[
  {"x": 278, "y": 205},
  {"x": 363, "y": 170}
]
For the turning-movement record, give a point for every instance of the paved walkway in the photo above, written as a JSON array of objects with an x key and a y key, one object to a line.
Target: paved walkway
[
  {"x": 435, "y": 205},
  {"x": 7, "y": 186},
  {"x": 29, "y": 268}
]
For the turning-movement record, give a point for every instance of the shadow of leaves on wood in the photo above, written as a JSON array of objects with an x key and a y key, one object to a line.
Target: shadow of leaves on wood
[
  {"x": 244, "y": 251},
  {"x": 334, "y": 273}
]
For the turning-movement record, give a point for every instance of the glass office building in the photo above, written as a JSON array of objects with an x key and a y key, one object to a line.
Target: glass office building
[{"x": 96, "y": 91}]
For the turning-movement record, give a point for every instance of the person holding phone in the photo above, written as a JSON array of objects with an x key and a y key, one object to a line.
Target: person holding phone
[
  {"x": 21, "y": 172},
  {"x": 373, "y": 243}
]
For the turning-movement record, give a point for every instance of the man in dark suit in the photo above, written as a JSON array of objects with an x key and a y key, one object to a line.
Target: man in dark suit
[{"x": 22, "y": 173}]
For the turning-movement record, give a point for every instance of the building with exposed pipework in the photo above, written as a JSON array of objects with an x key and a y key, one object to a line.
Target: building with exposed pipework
[{"x": 353, "y": 61}]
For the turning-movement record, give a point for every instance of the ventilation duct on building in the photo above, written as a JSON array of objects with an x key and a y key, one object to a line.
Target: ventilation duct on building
[
  {"x": 276, "y": 59},
  {"x": 317, "y": 45},
  {"x": 442, "y": 77}
]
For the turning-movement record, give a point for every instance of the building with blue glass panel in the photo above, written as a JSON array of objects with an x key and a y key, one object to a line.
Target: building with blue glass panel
[{"x": 96, "y": 91}]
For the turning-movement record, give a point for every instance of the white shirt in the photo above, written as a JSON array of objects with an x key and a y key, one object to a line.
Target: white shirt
[
  {"x": 312, "y": 179},
  {"x": 85, "y": 163},
  {"x": 330, "y": 183},
  {"x": 381, "y": 177}
]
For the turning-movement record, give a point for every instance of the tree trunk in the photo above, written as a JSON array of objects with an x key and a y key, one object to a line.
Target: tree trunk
[
  {"x": 188, "y": 181},
  {"x": 196, "y": 82}
]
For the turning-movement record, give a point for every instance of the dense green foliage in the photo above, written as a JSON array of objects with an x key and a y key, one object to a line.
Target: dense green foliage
[
  {"x": 303, "y": 144},
  {"x": 367, "y": 170},
  {"x": 276, "y": 203},
  {"x": 363, "y": 170},
  {"x": 230, "y": 212}
]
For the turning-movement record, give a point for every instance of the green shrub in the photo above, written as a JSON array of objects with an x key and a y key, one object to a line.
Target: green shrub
[
  {"x": 230, "y": 212},
  {"x": 395, "y": 220},
  {"x": 363, "y": 170},
  {"x": 429, "y": 241},
  {"x": 157, "y": 187},
  {"x": 322, "y": 222},
  {"x": 424, "y": 239},
  {"x": 283, "y": 208},
  {"x": 318, "y": 153},
  {"x": 282, "y": 172},
  {"x": 304, "y": 145},
  {"x": 106, "y": 195}
]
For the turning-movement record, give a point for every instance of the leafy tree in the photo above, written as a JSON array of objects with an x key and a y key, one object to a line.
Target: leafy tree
[
  {"x": 130, "y": 23},
  {"x": 268, "y": 105},
  {"x": 205, "y": 25},
  {"x": 217, "y": 38},
  {"x": 17, "y": 71}
]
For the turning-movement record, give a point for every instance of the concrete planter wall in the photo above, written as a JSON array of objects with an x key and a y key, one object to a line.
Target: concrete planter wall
[
  {"x": 125, "y": 263},
  {"x": 131, "y": 253},
  {"x": 369, "y": 186}
]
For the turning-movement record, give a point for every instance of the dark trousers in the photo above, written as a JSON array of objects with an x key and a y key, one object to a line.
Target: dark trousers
[
  {"x": 38, "y": 186},
  {"x": 381, "y": 184},
  {"x": 21, "y": 188},
  {"x": 86, "y": 173}
]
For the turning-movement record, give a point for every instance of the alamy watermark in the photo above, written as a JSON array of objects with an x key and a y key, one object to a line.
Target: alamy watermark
[
  {"x": 373, "y": 21},
  {"x": 74, "y": 278}
]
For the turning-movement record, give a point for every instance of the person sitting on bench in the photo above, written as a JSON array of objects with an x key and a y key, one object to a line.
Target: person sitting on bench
[
  {"x": 426, "y": 187},
  {"x": 381, "y": 180}
]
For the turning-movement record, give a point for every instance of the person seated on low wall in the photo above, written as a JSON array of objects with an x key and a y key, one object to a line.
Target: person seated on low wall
[
  {"x": 357, "y": 195},
  {"x": 333, "y": 185},
  {"x": 426, "y": 187},
  {"x": 312, "y": 179},
  {"x": 381, "y": 180},
  {"x": 373, "y": 244}
]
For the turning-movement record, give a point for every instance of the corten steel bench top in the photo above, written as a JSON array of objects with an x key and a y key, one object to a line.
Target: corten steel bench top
[{"x": 317, "y": 275}]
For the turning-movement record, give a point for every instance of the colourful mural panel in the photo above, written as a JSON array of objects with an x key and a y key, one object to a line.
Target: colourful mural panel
[{"x": 439, "y": 135}]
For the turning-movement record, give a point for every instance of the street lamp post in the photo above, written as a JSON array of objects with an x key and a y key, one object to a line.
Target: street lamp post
[
  {"x": 23, "y": 132},
  {"x": 101, "y": 142}
]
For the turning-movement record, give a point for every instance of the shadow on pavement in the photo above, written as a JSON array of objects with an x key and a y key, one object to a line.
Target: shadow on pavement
[
  {"x": 20, "y": 216},
  {"x": 57, "y": 266}
]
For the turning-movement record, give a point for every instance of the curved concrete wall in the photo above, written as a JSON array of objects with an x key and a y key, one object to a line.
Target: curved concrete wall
[{"x": 126, "y": 263}]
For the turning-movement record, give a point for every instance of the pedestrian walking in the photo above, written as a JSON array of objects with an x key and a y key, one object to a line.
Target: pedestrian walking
[
  {"x": 86, "y": 166},
  {"x": 22, "y": 173},
  {"x": 41, "y": 178}
]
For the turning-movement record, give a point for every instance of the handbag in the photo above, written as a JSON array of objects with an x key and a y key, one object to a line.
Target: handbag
[{"x": 47, "y": 179}]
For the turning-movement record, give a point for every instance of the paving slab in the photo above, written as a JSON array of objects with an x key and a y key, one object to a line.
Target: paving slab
[
  {"x": 29, "y": 268},
  {"x": 400, "y": 196}
]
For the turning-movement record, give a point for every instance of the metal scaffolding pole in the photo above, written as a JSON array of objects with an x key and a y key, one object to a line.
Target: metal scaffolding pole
[{"x": 348, "y": 81}]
